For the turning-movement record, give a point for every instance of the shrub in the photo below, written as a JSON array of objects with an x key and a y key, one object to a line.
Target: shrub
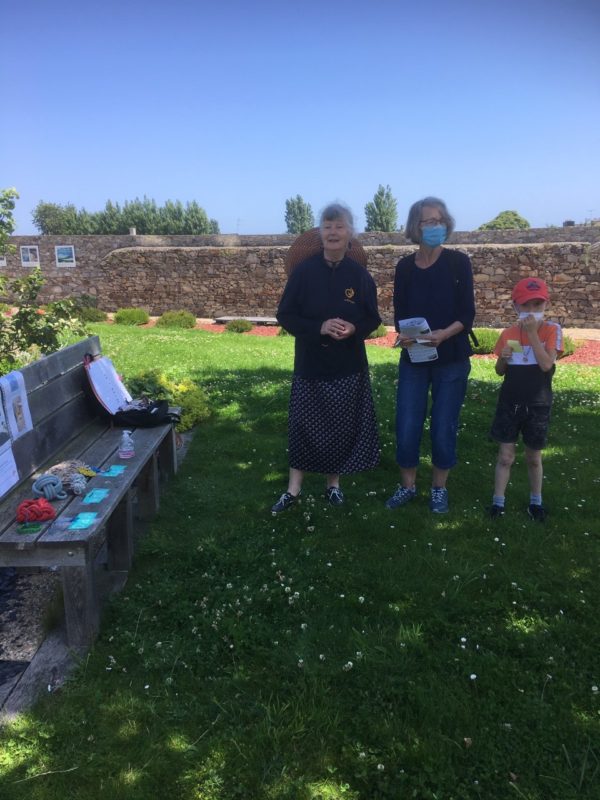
[
  {"x": 380, "y": 331},
  {"x": 131, "y": 316},
  {"x": 487, "y": 338},
  {"x": 86, "y": 309},
  {"x": 239, "y": 326},
  {"x": 185, "y": 393},
  {"x": 31, "y": 329},
  {"x": 4, "y": 307},
  {"x": 91, "y": 314},
  {"x": 176, "y": 319},
  {"x": 569, "y": 346}
]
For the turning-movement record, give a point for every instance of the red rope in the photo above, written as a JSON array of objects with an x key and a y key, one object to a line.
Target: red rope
[{"x": 38, "y": 510}]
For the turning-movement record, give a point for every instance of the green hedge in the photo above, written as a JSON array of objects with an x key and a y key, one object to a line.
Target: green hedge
[
  {"x": 131, "y": 316},
  {"x": 239, "y": 326},
  {"x": 176, "y": 319}
]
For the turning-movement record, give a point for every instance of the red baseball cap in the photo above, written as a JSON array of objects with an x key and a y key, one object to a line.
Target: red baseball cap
[{"x": 530, "y": 289}]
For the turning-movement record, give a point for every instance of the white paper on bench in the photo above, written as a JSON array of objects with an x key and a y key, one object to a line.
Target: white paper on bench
[
  {"x": 16, "y": 405},
  {"x": 107, "y": 385}
]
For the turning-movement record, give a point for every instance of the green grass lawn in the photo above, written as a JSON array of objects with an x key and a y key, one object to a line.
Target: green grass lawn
[{"x": 336, "y": 653}]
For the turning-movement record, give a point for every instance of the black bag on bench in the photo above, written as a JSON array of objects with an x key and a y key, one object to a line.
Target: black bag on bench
[{"x": 113, "y": 400}]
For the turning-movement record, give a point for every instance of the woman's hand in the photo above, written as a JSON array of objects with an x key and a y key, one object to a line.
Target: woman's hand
[
  {"x": 403, "y": 341},
  {"x": 506, "y": 352},
  {"x": 434, "y": 338},
  {"x": 337, "y": 328}
]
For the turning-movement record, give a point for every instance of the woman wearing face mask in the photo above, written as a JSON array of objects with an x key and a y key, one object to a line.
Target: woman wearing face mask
[{"x": 436, "y": 284}]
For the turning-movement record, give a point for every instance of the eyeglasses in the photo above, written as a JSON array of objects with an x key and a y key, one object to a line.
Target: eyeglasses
[{"x": 427, "y": 223}]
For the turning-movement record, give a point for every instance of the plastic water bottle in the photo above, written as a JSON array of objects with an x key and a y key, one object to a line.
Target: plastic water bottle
[{"x": 126, "y": 449}]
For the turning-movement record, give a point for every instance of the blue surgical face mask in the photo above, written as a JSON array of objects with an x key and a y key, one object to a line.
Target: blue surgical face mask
[
  {"x": 434, "y": 235},
  {"x": 538, "y": 315}
]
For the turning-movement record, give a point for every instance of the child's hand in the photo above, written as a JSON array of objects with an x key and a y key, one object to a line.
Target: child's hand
[
  {"x": 529, "y": 323},
  {"x": 507, "y": 352}
]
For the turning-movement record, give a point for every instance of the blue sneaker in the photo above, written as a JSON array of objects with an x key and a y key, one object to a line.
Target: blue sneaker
[
  {"x": 401, "y": 497},
  {"x": 285, "y": 501},
  {"x": 335, "y": 496},
  {"x": 438, "y": 502}
]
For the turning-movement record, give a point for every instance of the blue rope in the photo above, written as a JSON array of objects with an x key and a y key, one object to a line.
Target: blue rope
[{"x": 50, "y": 487}]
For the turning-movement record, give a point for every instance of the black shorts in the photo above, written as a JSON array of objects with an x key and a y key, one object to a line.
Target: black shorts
[{"x": 530, "y": 421}]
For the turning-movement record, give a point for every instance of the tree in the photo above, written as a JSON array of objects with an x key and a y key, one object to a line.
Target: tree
[
  {"x": 7, "y": 222},
  {"x": 143, "y": 215},
  {"x": 298, "y": 215},
  {"x": 506, "y": 220},
  {"x": 382, "y": 212}
]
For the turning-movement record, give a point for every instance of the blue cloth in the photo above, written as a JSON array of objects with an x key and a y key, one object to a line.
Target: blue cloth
[{"x": 448, "y": 384}]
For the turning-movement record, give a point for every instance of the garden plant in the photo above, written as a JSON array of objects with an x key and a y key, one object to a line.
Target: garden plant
[{"x": 335, "y": 653}]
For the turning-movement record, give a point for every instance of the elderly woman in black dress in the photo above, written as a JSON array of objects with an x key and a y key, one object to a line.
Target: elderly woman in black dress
[{"x": 330, "y": 306}]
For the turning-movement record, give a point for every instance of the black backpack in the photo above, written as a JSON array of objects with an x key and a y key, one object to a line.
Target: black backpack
[{"x": 155, "y": 413}]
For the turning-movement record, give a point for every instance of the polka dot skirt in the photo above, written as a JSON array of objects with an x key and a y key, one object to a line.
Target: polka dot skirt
[{"x": 332, "y": 426}]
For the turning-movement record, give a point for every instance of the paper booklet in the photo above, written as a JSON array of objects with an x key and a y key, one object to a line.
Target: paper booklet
[{"x": 414, "y": 328}]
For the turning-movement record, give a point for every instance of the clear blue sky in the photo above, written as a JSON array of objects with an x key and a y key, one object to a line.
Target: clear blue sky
[{"x": 242, "y": 104}]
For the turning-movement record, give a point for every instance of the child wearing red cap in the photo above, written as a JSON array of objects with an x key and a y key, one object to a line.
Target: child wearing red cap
[{"x": 526, "y": 354}]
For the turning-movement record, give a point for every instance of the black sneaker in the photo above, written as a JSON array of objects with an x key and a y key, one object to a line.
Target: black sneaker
[
  {"x": 496, "y": 512},
  {"x": 285, "y": 501},
  {"x": 537, "y": 513},
  {"x": 335, "y": 496}
]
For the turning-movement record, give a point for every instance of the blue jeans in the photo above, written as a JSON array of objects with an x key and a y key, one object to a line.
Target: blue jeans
[{"x": 448, "y": 387}]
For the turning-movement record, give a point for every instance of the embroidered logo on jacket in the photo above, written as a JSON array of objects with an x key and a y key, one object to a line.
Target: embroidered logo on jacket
[{"x": 349, "y": 295}]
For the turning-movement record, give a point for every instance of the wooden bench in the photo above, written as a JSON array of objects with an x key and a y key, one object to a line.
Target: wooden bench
[{"x": 66, "y": 425}]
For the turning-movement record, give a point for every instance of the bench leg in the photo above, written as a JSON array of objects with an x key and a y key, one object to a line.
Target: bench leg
[
  {"x": 82, "y": 612},
  {"x": 119, "y": 535},
  {"x": 148, "y": 489},
  {"x": 167, "y": 454}
]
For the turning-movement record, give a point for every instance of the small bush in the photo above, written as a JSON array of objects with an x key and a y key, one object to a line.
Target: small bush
[
  {"x": 378, "y": 332},
  {"x": 239, "y": 326},
  {"x": 176, "y": 319},
  {"x": 155, "y": 385},
  {"x": 569, "y": 346},
  {"x": 131, "y": 316},
  {"x": 86, "y": 306},
  {"x": 487, "y": 338},
  {"x": 91, "y": 314}
]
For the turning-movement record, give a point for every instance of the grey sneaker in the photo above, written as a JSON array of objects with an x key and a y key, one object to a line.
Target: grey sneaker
[
  {"x": 335, "y": 496},
  {"x": 438, "y": 502},
  {"x": 285, "y": 501},
  {"x": 401, "y": 497}
]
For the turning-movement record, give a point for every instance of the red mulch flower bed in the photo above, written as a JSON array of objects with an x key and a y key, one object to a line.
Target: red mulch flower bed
[{"x": 587, "y": 354}]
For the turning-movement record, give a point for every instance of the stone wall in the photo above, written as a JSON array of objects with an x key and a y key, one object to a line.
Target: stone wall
[{"x": 235, "y": 276}]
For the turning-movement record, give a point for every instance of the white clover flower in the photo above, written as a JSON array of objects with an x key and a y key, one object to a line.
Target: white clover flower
[
  {"x": 380, "y": 767},
  {"x": 311, "y": 528},
  {"x": 361, "y": 599},
  {"x": 595, "y": 689},
  {"x": 362, "y": 755},
  {"x": 321, "y": 657},
  {"x": 473, "y": 676},
  {"x": 304, "y": 626},
  {"x": 347, "y": 666},
  {"x": 300, "y": 663}
]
